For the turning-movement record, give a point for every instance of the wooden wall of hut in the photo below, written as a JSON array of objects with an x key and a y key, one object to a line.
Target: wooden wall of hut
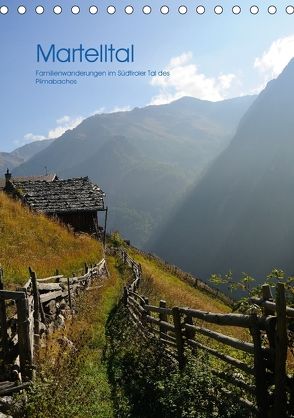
[{"x": 82, "y": 221}]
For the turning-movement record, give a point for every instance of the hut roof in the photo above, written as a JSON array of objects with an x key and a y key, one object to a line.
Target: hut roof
[
  {"x": 71, "y": 195},
  {"x": 47, "y": 177}
]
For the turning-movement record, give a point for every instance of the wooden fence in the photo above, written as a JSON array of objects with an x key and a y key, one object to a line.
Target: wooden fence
[
  {"x": 260, "y": 373},
  {"x": 34, "y": 310}
]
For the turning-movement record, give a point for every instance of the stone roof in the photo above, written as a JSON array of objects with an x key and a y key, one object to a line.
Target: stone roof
[
  {"x": 47, "y": 177},
  {"x": 71, "y": 195}
]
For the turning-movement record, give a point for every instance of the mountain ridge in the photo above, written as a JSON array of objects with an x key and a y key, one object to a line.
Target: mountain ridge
[
  {"x": 21, "y": 154},
  {"x": 239, "y": 215},
  {"x": 163, "y": 150}
]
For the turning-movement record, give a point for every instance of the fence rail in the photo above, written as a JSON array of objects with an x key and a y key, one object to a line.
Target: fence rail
[
  {"x": 31, "y": 312},
  {"x": 268, "y": 390}
]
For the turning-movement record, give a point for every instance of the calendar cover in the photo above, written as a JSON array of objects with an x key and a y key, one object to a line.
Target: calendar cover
[
  {"x": 143, "y": 140},
  {"x": 181, "y": 113}
]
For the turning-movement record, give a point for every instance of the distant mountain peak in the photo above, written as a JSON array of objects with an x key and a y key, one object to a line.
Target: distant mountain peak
[
  {"x": 239, "y": 217},
  {"x": 145, "y": 158}
]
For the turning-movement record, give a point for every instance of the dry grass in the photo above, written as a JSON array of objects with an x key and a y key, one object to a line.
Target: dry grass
[
  {"x": 161, "y": 284},
  {"x": 30, "y": 239},
  {"x": 176, "y": 292}
]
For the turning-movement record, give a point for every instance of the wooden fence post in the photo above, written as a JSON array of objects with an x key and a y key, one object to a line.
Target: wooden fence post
[
  {"x": 3, "y": 321},
  {"x": 24, "y": 340},
  {"x": 259, "y": 372},
  {"x": 105, "y": 226},
  {"x": 179, "y": 336},
  {"x": 280, "y": 396},
  {"x": 266, "y": 295},
  {"x": 162, "y": 317},
  {"x": 36, "y": 308},
  {"x": 1, "y": 278},
  {"x": 144, "y": 314}
]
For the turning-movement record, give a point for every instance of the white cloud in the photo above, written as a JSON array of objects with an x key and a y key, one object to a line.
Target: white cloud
[
  {"x": 186, "y": 80},
  {"x": 120, "y": 109},
  {"x": 63, "y": 119},
  {"x": 31, "y": 137},
  {"x": 273, "y": 61},
  {"x": 98, "y": 111},
  {"x": 67, "y": 122},
  {"x": 63, "y": 124},
  {"x": 115, "y": 109}
]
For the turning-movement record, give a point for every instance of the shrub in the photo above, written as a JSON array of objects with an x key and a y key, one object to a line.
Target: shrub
[{"x": 148, "y": 384}]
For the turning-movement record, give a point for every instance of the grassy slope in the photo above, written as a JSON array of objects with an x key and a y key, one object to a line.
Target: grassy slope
[
  {"x": 161, "y": 284},
  {"x": 28, "y": 239},
  {"x": 169, "y": 287}
]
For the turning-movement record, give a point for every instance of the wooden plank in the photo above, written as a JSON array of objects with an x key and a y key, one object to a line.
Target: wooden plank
[
  {"x": 137, "y": 305},
  {"x": 168, "y": 342},
  {"x": 51, "y": 278},
  {"x": 42, "y": 313},
  {"x": 157, "y": 321},
  {"x": 138, "y": 309},
  {"x": 33, "y": 337},
  {"x": 238, "y": 320},
  {"x": 24, "y": 341},
  {"x": 280, "y": 395},
  {"x": 36, "y": 308},
  {"x": 134, "y": 300},
  {"x": 137, "y": 296},
  {"x": 101, "y": 264},
  {"x": 48, "y": 287},
  {"x": 6, "y": 383},
  {"x": 75, "y": 279},
  {"x": 159, "y": 309},
  {"x": 15, "y": 295},
  {"x": 81, "y": 278},
  {"x": 224, "y": 357},
  {"x": 167, "y": 336},
  {"x": 245, "y": 402},
  {"x": 271, "y": 306},
  {"x": 46, "y": 297},
  {"x": 163, "y": 318},
  {"x": 94, "y": 287},
  {"x": 72, "y": 280},
  {"x": 236, "y": 382},
  {"x": 15, "y": 388},
  {"x": 134, "y": 316},
  {"x": 232, "y": 342}
]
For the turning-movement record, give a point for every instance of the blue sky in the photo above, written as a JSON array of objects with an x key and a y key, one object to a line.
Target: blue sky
[{"x": 209, "y": 56}]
